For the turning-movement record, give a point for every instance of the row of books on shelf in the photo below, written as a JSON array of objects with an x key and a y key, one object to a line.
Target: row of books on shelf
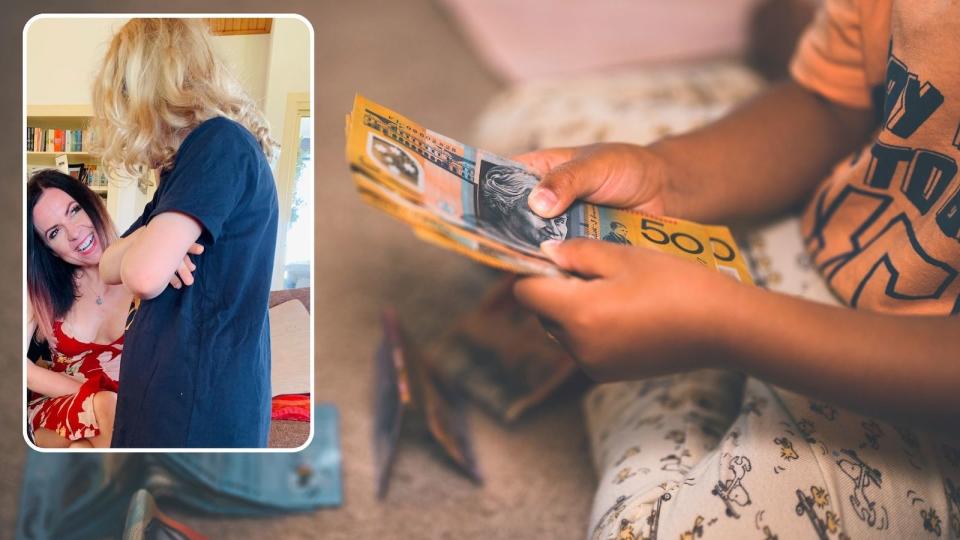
[
  {"x": 90, "y": 175},
  {"x": 56, "y": 140}
]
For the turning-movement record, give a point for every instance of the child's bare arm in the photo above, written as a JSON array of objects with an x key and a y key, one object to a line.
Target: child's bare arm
[
  {"x": 646, "y": 313},
  {"x": 113, "y": 256},
  {"x": 760, "y": 159},
  {"x": 904, "y": 368},
  {"x": 764, "y": 157},
  {"x": 159, "y": 254}
]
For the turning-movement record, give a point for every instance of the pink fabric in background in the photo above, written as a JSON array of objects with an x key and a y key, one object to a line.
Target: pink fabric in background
[{"x": 530, "y": 39}]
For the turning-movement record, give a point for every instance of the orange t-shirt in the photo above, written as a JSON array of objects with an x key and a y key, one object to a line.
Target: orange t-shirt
[{"x": 884, "y": 227}]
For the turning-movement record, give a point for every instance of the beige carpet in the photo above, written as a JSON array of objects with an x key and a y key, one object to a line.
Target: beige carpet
[{"x": 538, "y": 483}]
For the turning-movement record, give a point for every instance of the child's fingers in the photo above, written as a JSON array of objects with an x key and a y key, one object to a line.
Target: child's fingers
[
  {"x": 195, "y": 249},
  {"x": 566, "y": 182},
  {"x": 552, "y": 298},
  {"x": 542, "y": 161},
  {"x": 185, "y": 276},
  {"x": 587, "y": 257}
]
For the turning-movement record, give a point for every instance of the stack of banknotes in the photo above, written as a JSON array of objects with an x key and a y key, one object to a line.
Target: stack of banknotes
[{"x": 475, "y": 203}]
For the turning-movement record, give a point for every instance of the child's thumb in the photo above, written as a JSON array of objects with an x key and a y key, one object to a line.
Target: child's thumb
[{"x": 559, "y": 188}]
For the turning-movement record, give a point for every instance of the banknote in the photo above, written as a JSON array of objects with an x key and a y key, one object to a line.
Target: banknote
[
  {"x": 433, "y": 228},
  {"x": 475, "y": 203}
]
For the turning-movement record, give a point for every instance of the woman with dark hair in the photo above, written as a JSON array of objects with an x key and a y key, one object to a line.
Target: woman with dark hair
[{"x": 80, "y": 317}]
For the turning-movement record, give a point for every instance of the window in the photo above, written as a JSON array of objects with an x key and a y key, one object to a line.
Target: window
[{"x": 294, "y": 256}]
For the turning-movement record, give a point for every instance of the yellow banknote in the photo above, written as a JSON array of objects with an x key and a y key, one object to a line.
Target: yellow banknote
[{"x": 475, "y": 203}]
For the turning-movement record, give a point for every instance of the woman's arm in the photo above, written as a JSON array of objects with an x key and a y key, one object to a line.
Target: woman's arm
[
  {"x": 157, "y": 254},
  {"x": 40, "y": 380},
  {"x": 49, "y": 383}
]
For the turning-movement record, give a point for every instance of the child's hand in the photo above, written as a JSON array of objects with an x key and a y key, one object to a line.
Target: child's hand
[
  {"x": 643, "y": 313},
  {"x": 184, "y": 275},
  {"x": 611, "y": 174}
]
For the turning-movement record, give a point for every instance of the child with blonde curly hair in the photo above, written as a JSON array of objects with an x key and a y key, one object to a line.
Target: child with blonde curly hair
[{"x": 197, "y": 369}]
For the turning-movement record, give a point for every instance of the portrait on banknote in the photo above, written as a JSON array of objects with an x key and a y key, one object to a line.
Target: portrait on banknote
[
  {"x": 617, "y": 234},
  {"x": 502, "y": 206},
  {"x": 394, "y": 159}
]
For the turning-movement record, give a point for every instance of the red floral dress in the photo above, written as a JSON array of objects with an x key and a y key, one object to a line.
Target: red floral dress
[{"x": 96, "y": 366}]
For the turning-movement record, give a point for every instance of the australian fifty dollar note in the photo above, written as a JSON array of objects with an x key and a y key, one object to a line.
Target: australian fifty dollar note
[{"x": 474, "y": 202}]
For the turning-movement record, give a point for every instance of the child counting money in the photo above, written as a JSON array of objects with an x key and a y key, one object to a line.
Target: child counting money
[{"x": 843, "y": 424}]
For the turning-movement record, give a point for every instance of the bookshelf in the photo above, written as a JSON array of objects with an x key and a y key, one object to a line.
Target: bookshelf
[
  {"x": 124, "y": 197},
  {"x": 62, "y": 117}
]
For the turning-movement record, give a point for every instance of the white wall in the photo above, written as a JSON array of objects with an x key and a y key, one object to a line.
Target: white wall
[
  {"x": 247, "y": 57},
  {"x": 63, "y": 56},
  {"x": 288, "y": 71}
]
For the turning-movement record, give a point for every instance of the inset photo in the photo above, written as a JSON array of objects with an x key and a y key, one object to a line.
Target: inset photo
[{"x": 168, "y": 241}]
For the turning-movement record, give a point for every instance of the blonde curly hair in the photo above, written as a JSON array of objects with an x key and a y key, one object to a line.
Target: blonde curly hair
[{"x": 159, "y": 80}]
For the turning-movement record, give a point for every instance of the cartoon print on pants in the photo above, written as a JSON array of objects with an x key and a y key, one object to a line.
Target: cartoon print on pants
[
  {"x": 872, "y": 434},
  {"x": 786, "y": 449},
  {"x": 911, "y": 447},
  {"x": 695, "y": 532},
  {"x": 931, "y": 521},
  {"x": 731, "y": 491},
  {"x": 808, "y": 504},
  {"x": 610, "y": 515},
  {"x": 754, "y": 405},
  {"x": 653, "y": 520},
  {"x": 765, "y": 529},
  {"x": 678, "y": 436},
  {"x": 824, "y": 409},
  {"x": 953, "y": 504},
  {"x": 629, "y": 452},
  {"x": 863, "y": 477},
  {"x": 623, "y": 474},
  {"x": 626, "y": 530},
  {"x": 673, "y": 462}
]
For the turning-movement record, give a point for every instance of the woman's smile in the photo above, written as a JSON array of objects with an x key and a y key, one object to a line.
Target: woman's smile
[{"x": 88, "y": 244}]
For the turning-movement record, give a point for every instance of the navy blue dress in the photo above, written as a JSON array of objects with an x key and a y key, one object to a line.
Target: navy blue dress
[{"x": 196, "y": 361}]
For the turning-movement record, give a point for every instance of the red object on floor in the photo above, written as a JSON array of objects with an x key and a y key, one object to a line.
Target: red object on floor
[{"x": 294, "y": 407}]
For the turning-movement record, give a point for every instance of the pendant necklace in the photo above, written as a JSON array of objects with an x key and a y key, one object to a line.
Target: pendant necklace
[{"x": 100, "y": 295}]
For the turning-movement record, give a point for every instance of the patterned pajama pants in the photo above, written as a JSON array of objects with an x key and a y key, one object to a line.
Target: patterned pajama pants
[
  {"x": 714, "y": 454},
  {"x": 717, "y": 454}
]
